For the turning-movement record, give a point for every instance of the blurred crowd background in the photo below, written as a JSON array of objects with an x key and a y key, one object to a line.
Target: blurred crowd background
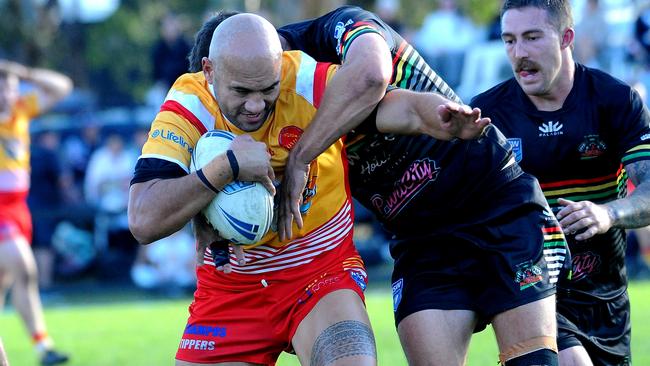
[{"x": 123, "y": 55}]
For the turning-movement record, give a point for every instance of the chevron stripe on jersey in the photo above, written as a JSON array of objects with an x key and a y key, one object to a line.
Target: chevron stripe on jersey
[
  {"x": 555, "y": 251},
  {"x": 598, "y": 190},
  {"x": 638, "y": 153},
  {"x": 410, "y": 71},
  {"x": 266, "y": 258}
]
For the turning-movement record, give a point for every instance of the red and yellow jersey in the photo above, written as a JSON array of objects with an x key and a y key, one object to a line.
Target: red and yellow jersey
[
  {"x": 191, "y": 110},
  {"x": 14, "y": 155}
]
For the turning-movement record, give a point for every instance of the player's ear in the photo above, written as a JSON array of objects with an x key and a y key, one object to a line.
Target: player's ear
[
  {"x": 567, "y": 38},
  {"x": 208, "y": 69}
]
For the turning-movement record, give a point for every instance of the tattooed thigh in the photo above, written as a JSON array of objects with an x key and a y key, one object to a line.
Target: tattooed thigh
[{"x": 343, "y": 339}]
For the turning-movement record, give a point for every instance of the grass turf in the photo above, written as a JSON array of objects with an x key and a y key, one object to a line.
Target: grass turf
[{"x": 144, "y": 333}]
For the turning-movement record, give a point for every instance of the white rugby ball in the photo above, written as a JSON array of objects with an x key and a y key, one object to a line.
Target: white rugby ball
[{"x": 241, "y": 212}]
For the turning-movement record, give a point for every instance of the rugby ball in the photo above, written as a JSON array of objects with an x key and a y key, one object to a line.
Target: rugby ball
[{"x": 241, "y": 212}]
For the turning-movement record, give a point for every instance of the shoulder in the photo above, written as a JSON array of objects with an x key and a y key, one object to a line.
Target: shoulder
[
  {"x": 495, "y": 95},
  {"x": 607, "y": 88}
]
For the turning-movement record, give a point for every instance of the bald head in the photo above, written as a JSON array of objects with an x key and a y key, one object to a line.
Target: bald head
[
  {"x": 245, "y": 37},
  {"x": 244, "y": 67}
]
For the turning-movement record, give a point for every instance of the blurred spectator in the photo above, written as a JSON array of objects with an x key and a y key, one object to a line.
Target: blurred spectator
[
  {"x": 641, "y": 48},
  {"x": 46, "y": 200},
  {"x": 77, "y": 149},
  {"x": 590, "y": 44},
  {"x": 445, "y": 35},
  {"x": 167, "y": 265},
  {"x": 169, "y": 57},
  {"x": 388, "y": 11},
  {"x": 107, "y": 189}
]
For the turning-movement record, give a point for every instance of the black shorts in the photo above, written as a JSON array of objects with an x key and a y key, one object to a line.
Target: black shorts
[
  {"x": 507, "y": 262},
  {"x": 602, "y": 327}
]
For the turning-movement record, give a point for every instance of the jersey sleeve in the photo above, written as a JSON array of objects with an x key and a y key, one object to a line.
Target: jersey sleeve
[
  {"x": 633, "y": 130},
  {"x": 328, "y": 37},
  {"x": 172, "y": 138}
]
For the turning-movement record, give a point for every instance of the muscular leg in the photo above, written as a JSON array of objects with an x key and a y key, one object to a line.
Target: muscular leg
[
  {"x": 336, "y": 332},
  {"x": 575, "y": 356},
  {"x": 437, "y": 337},
  {"x": 16, "y": 259},
  {"x": 525, "y": 323}
]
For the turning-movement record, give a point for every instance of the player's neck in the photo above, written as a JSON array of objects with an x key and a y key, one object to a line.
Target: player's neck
[{"x": 555, "y": 98}]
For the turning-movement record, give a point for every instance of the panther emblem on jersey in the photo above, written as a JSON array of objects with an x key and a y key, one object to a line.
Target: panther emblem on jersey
[{"x": 591, "y": 147}]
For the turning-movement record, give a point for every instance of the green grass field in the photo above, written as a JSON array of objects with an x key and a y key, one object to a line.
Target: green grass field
[{"x": 146, "y": 333}]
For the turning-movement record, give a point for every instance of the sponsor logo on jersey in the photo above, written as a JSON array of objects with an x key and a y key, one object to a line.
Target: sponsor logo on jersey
[
  {"x": 415, "y": 178},
  {"x": 324, "y": 281},
  {"x": 397, "y": 293},
  {"x": 516, "y": 148},
  {"x": 551, "y": 128},
  {"x": 289, "y": 136},
  {"x": 591, "y": 147},
  {"x": 205, "y": 330},
  {"x": 359, "y": 278},
  {"x": 339, "y": 30},
  {"x": 173, "y": 137},
  {"x": 645, "y": 137},
  {"x": 308, "y": 194},
  {"x": 527, "y": 275},
  {"x": 196, "y": 344},
  {"x": 585, "y": 264}
]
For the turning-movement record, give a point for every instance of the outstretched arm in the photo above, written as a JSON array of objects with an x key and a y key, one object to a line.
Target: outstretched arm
[
  {"x": 406, "y": 112},
  {"x": 52, "y": 85},
  {"x": 350, "y": 97},
  {"x": 630, "y": 212}
]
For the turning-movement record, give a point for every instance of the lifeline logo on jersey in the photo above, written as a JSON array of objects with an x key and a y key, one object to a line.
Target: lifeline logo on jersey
[{"x": 171, "y": 136}]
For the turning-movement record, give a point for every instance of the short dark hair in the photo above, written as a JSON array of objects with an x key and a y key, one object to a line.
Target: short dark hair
[
  {"x": 558, "y": 11},
  {"x": 203, "y": 38}
]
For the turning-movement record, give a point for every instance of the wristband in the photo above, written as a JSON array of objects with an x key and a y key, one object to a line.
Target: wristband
[
  {"x": 233, "y": 164},
  {"x": 205, "y": 181}
]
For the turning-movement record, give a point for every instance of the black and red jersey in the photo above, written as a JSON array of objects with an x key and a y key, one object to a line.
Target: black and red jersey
[
  {"x": 415, "y": 185},
  {"x": 328, "y": 37},
  {"x": 579, "y": 153}
]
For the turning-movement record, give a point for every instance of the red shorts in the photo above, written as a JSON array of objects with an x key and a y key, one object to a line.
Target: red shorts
[
  {"x": 253, "y": 317},
  {"x": 15, "y": 218}
]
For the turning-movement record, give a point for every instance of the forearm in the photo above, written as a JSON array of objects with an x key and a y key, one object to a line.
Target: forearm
[
  {"x": 350, "y": 97},
  {"x": 53, "y": 83},
  {"x": 407, "y": 112},
  {"x": 161, "y": 207},
  {"x": 632, "y": 211}
]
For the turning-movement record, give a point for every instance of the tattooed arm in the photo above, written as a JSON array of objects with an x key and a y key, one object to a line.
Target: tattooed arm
[
  {"x": 630, "y": 212},
  {"x": 634, "y": 210}
]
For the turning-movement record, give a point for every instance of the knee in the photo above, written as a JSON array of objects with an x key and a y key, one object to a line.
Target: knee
[{"x": 534, "y": 351}]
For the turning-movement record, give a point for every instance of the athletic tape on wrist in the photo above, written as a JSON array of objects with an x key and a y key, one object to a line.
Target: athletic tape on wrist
[
  {"x": 205, "y": 181},
  {"x": 233, "y": 164}
]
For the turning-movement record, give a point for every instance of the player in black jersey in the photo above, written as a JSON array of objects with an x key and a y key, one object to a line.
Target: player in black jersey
[
  {"x": 475, "y": 241},
  {"x": 582, "y": 133}
]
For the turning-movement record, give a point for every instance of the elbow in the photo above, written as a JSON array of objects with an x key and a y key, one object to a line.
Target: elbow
[
  {"x": 140, "y": 230},
  {"x": 375, "y": 80}
]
